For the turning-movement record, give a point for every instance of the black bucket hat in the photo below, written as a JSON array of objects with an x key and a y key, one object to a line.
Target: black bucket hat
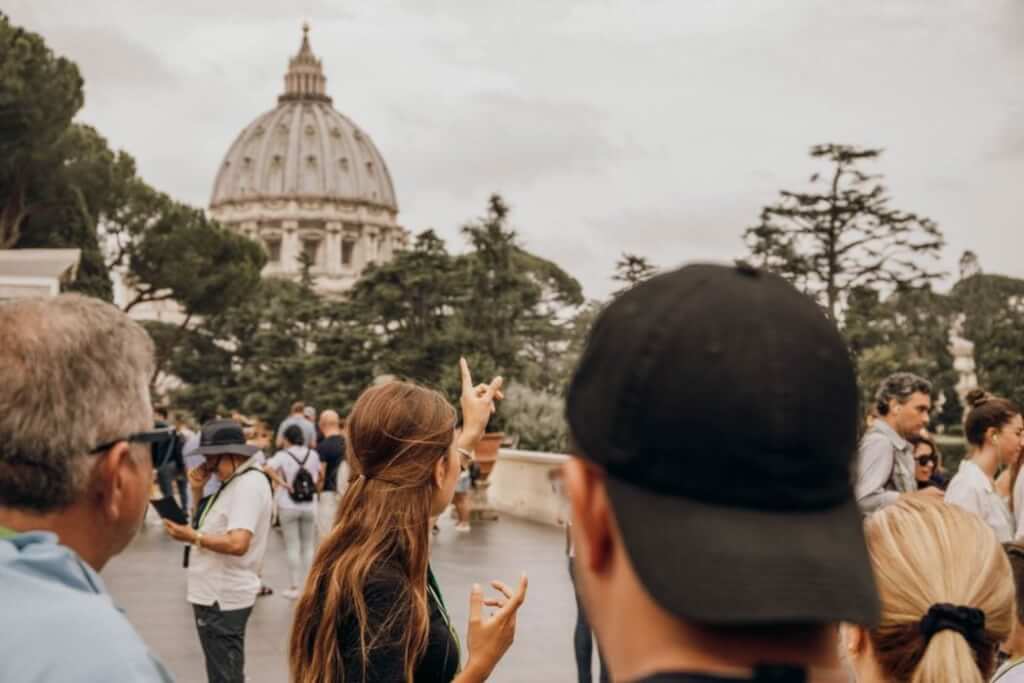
[
  {"x": 723, "y": 407},
  {"x": 223, "y": 437}
]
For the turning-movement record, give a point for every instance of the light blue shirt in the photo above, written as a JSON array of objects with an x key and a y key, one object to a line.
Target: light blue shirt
[
  {"x": 885, "y": 467},
  {"x": 59, "y": 622}
]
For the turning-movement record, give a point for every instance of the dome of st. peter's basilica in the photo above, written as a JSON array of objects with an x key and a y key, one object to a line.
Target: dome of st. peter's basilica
[{"x": 303, "y": 178}]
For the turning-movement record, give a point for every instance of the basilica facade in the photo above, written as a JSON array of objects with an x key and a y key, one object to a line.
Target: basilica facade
[{"x": 310, "y": 185}]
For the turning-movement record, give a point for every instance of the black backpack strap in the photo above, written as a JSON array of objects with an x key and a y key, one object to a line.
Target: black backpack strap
[{"x": 301, "y": 463}]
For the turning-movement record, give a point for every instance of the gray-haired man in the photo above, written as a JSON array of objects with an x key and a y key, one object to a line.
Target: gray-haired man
[
  {"x": 886, "y": 458},
  {"x": 75, "y": 476}
]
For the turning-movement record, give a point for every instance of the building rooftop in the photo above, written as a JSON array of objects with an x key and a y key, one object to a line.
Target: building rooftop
[{"x": 43, "y": 263}]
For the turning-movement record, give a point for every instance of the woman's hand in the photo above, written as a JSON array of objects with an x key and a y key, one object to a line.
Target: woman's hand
[
  {"x": 489, "y": 639},
  {"x": 477, "y": 403},
  {"x": 180, "y": 532}
]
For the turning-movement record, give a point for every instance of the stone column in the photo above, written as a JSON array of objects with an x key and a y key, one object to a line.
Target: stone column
[
  {"x": 333, "y": 248},
  {"x": 352, "y": 234},
  {"x": 290, "y": 247},
  {"x": 368, "y": 244}
]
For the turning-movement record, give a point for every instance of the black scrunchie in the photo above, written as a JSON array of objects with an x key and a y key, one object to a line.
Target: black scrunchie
[{"x": 967, "y": 621}]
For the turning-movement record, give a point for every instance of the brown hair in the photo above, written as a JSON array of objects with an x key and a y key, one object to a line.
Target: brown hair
[
  {"x": 990, "y": 412},
  {"x": 397, "y": 432},
  {"x": 298, "y": 407},
  {"x": 1015, "y": 553},
  {"x": 916, "y": 440},
  {"x": 987, "y": 412},
  {"x": 924, "y": 553}
]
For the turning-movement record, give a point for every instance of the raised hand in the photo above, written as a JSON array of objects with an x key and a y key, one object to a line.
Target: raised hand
[
  {"x": 477, "y": 401},
  {"x": 489, "y": 638}
]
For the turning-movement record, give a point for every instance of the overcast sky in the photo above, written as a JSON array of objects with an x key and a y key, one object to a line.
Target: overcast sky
[{"x": 658, "y": 128}]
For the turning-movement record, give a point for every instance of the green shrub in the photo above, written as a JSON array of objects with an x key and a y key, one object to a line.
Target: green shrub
[
  {"x": 953, "y": 451},
  {"x": 536, "y": 419}
]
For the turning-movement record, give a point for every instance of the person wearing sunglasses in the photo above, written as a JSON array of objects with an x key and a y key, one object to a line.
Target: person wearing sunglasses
[
  {"x": 227, "y": 543},
  {"x": 75, "y": 477},
  {"x": 372, "y": 610},
  {"x": 926, "y": 462}
]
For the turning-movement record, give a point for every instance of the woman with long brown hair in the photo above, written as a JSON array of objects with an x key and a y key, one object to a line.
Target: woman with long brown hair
[{"x": 371, "y": 609}]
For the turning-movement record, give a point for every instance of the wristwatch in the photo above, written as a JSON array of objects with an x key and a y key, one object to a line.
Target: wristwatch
[{"x": 198, "y": 540}]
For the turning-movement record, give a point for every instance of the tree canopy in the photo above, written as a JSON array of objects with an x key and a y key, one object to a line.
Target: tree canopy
[
  {"x": 846, "y": 235},
  {"x": 631, "y": 270}
]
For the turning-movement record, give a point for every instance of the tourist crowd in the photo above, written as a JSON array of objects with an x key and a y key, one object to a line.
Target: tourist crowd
[{"x": 715, "y": 533}]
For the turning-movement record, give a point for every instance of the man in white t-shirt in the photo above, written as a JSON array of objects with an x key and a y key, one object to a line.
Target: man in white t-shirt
[
  {"x": 297, "y": 515},
  {"x": 228, "y": 544}
]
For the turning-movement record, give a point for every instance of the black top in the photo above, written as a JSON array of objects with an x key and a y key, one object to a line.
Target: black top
[
  {"x": 332, "y": 453},
  {"x": 387, "y": 603},
  {"x": 683, "y": 677},
  {"x": 765, "y": 674}
]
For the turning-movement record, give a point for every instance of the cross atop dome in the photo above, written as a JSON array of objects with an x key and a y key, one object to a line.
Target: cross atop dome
[{"x": 305, "y": 79}]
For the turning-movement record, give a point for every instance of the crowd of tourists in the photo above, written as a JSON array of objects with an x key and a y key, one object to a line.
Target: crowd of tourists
[{"x": 715, "y": 532}]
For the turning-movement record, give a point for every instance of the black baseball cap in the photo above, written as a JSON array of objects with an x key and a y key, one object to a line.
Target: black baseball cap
[
  {"x": 723, "y": 406},
  {"x": 223, "y": 437}
]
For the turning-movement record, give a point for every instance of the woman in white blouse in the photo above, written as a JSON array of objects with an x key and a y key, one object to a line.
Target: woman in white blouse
[{"x": 994, "y": 429}]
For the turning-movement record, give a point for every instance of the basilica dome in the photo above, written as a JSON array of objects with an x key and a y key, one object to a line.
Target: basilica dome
[{"x": 309, "y": 184}]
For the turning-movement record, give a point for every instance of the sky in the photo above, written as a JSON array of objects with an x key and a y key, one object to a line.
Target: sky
[{"x": 655, "y": 128}]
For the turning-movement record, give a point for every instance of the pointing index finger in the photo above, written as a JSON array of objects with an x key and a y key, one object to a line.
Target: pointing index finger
[{"x": 467, "y": 379}]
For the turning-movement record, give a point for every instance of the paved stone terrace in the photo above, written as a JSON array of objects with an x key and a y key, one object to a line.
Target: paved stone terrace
[{"x": 147, "y": 581}]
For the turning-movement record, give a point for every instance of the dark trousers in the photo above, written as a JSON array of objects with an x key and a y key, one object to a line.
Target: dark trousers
[
  {"x": 222, "y": 635},
  {"x": 168, "y": 475},
  {"x": 583, "y": 640}
]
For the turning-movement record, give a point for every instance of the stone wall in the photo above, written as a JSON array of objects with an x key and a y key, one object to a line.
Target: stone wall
[{"x": 520, "y": 485}]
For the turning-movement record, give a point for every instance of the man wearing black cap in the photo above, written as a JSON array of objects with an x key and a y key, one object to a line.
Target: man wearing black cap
[
  {"x": 717, "y": 535},
  {"x": 228, "y": 542}
]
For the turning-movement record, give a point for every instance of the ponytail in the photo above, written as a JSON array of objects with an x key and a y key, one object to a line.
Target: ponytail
[
  {"x": 946, "y": 589},
  {"x": 949, "y": 657}
]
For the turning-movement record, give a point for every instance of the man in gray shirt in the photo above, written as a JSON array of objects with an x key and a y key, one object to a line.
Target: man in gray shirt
[
  {"x": 886, "y": 459},
  {"x": 297, "y": 418}
]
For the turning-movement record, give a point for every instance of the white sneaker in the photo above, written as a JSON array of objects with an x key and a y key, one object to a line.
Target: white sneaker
[
  {"x": 462, "y": 528},
  {"x": 291, "y": 593}
]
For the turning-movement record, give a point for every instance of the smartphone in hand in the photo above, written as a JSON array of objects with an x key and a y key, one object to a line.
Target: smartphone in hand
[{"x": 168, "y": 508}]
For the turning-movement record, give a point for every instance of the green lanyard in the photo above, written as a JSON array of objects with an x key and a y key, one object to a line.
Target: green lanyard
[
  {"x": 206, "y": 510},
  {"x": 6, "y": 533},
  {"x": 435, "y": 592}
]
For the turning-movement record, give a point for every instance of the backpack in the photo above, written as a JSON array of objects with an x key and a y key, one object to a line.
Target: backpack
[{"x": 303, "y": 485}]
